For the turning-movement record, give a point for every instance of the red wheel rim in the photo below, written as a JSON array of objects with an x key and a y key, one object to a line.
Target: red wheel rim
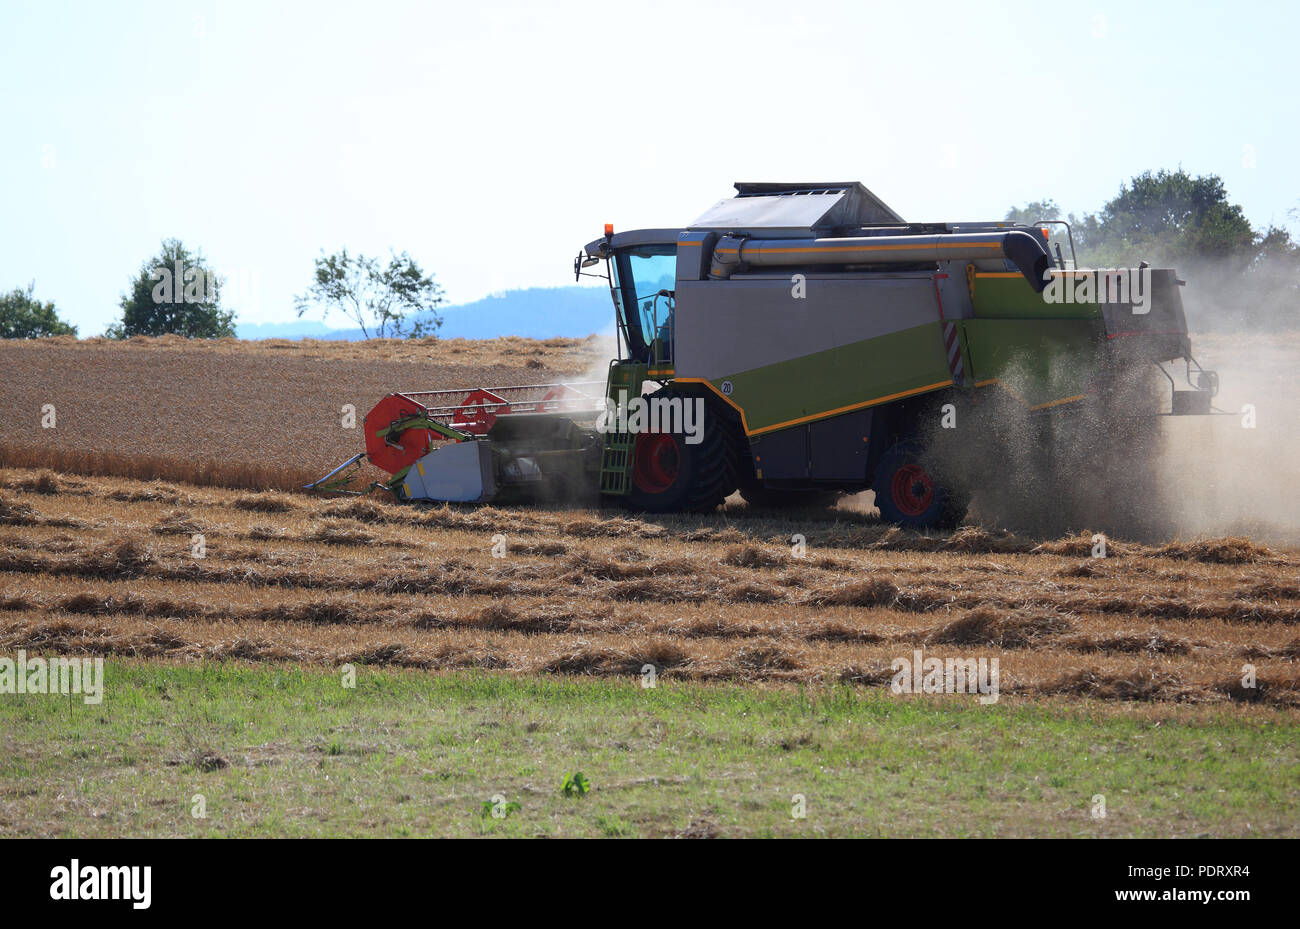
[
  {"x": 655, "y": 463},
  {"x": 912, "y": 490}
]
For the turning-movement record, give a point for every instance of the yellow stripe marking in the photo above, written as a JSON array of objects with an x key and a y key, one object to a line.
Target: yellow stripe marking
[
  {"x": 822, "y": 415},
  {"x": 857, "y": 406},
  {"x": 744, "y": 424},
  {"x": 1021, "y": 400},
  {"x": 1055, "y": 272},
  {"x": 1043, "y": 406}
]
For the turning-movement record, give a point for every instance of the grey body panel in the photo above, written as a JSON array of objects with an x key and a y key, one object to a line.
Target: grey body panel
[
  {"x": 459, "y": 473},
  {"x": 725, "y": 327},
  {"x": 694, "y": 255},
  {"x": 795, "y": 210},
  {"x": 954, "y": 290}
]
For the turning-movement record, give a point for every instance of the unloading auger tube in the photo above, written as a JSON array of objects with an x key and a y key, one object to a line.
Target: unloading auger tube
[{"x": 1025, "y": 251}]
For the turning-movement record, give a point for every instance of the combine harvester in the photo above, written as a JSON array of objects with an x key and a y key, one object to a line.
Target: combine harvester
[{"x": 822, "y": 336}]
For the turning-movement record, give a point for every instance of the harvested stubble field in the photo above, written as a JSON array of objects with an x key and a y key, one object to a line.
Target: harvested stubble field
[{"x": 106, "y": 566}]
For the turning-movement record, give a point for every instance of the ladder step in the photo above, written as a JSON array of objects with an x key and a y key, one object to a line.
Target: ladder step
[{"x": 614, "y": 463}]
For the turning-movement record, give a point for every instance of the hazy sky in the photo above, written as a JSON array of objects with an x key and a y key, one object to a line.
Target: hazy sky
[{"x": 492, "y": 139}]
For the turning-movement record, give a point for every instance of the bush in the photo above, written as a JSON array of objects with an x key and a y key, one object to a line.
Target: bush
[{"x": 23, "y": 317}]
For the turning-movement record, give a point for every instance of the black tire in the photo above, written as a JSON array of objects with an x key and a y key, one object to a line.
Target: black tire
[
  {"x": 757, "y": 495},
  {"x": 671, "y": 475},
  {"x": 909, "y": 495}
]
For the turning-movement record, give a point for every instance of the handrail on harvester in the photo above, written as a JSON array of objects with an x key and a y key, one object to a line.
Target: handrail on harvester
[{"x": 520, "y": 398}]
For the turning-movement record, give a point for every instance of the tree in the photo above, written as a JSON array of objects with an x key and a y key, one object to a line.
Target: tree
[
  {"x": 1236, "y": 276},
  {"x": 175, "y": 292},
  {"x": 1033, "y": 212},
  {"x": 1170, "y": 218},
  {"x": 377, "y": 297},
  {"x": 1272, "y": 282},
  {"x": 23, "y": 317}
]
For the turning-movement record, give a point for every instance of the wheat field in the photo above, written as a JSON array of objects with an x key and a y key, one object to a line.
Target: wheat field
[{"x": 222, "y": 412}]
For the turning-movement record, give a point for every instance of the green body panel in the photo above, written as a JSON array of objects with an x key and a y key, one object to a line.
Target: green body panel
[
  {"x": 1040, "y": 361},
  {"x": 1013, "y": 298},
  {"x": 850, "y": 376}
]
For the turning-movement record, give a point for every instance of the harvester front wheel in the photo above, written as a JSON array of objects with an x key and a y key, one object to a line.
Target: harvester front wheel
[
  {"x": 669, "y": 474},
  {"x": 910, "y": 495}
]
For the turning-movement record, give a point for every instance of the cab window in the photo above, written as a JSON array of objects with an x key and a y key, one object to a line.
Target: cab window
[{"x": 642, "y": 272}]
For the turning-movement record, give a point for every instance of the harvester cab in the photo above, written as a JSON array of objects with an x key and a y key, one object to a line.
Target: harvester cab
[
  {"x": 815, "y": 334},
  {"x": 641, "y": 272}
]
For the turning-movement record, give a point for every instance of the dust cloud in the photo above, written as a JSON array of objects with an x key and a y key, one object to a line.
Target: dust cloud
[
  {"x": 1112, "y": 464},
  {"x": 1090, "y": 465},
  {"x": 1239, "y": 474}
]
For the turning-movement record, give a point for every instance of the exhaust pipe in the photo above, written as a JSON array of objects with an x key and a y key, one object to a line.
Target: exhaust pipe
[{"x": 1025, "y": 251}]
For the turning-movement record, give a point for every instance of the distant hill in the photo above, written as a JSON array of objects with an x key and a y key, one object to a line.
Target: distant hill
[
  {"x": 301, "y": 329},
  {"x": 533, "y": 312}
]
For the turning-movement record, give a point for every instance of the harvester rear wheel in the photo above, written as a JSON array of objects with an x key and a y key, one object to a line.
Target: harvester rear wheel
[
  {"x": 669, "y": 474},
  {"x": 910, "y": 495}
]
